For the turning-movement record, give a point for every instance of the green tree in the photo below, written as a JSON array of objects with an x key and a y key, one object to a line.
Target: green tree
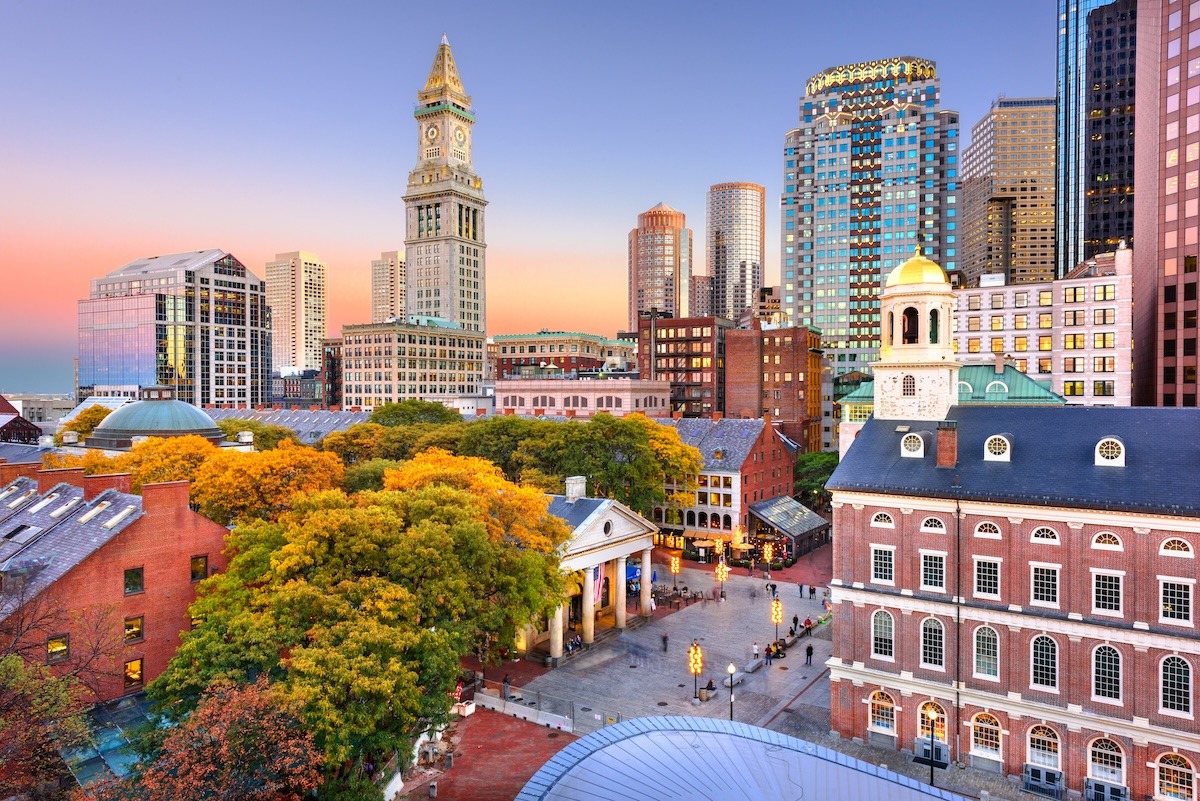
[
  {"x": 811, "y": 473},
  {"x": 85, "y": 422},
  {"x": 408, "y": 412},
  {"x": 367, "y": 475},
  {"x": 267, "y": 436},
  {"x": 39, "y": 713},
  {"x": 498, "y": 438},
  {"x": 358, "y": 443}
]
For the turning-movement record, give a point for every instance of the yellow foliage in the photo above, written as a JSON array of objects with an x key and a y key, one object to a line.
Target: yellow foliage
[
  {"x": 164, "y": 459},
  {"x": 235, "y": 486},
  {"x": 92, "y": 462}
]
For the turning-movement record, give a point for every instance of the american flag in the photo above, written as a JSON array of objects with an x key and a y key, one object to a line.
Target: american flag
[{"x": 597, "y": 585}]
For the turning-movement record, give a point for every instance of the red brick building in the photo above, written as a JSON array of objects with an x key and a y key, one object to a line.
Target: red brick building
[
  {"x": 90, "y": 572},
  {"x": 776, "y": 372},
  {"x": 690, "y": 353}
]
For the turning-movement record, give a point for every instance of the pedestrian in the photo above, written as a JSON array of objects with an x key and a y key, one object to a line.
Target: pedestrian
[
  {"x": 812, "y": 590},
  {"x": 808, "y": 626},
  {"x": 665, "y": 640},
  {"x": 808, "y": 654},
  {"x": 506, "y": 686},
  {"x": 769, "y": 654},
  {"x": 755, "y": 648},
  {"x": 801, "y": 586},
  {"x": 653, "y": 605},
  {"x": 795, "y": 622}
]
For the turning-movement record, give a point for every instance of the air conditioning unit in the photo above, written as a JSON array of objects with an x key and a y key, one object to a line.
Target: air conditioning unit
[
  {"x": 1103, "y": 791},
  {"x": 939, "y": 756},
  {"x": 1043, "y": 781}
]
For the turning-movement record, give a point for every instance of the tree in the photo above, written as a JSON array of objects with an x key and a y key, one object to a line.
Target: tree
[
  {"x": 233, "y": 486},
  {"x": 159, "y": 459},
  {"x": 267, "y": 436},
  {"x": 367, "y": 475},
  {"x": 85, "y": 422},
  {"x": 39, "y": 714},
  {"x": 358, "y": 443},
  {"x": 498, "y": 438},
  {"x": 412, "y": 410},
  {"x": 811, "y": 473}
]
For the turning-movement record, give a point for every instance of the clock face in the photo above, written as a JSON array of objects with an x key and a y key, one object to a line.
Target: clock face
[
  {"x": 431, "y": 132},
  {"x": 460, "y": 135}
]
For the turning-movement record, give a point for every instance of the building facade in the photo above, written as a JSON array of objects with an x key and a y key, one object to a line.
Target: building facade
[
  {"x": 568, "y": 351},
  {"x": 296, "y": 297},
  {"x": 871, "y": 172},
  {"x": 331, "y": 373},
  {"x": 690, "y": 353},
  {"x": 414, "y": 359},
  {"x": 1095, "y": 128},
  {"x": 734, "y": 247},
  {"x": 582, "y": 397},
  {"x": 445, "y": 249},
  {"x": 660, "y": 263},
  {"x": 1076, "y": 333},
  {"x": 197, "y": 322},
  {"x": 388, "y": 295},
  {"x": 1008, "y": 194},
  {"x": 776, "y": 373}
]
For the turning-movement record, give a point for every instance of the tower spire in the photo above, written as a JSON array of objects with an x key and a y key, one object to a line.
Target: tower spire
[{"x": 443, "y": 84}]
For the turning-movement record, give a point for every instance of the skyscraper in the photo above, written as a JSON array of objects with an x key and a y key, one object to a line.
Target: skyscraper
[
  {"x": 1094, "y": 186},
  {"x": 734, "y": 246},
  {"x": 660, "y": 263},
  {"x": 870, "y": 173},
  {"x": 445, "y": 250},
  {"x": 387, "y": 286},
  {"x": 296, "y": 295},
  {"x": 1008, "y": 194},
  {"x": 197, "y": 322}
]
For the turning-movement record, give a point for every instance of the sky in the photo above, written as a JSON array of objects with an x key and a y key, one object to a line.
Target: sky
[{"x": 133, "y": 128}]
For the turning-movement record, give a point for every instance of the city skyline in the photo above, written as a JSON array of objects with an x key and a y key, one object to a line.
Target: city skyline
[{"x": 158, "y": 130}]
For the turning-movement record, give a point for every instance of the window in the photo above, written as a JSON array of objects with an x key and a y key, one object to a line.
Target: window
[
  {"x": 932, "y": 643},
  {"x": 1106, "y": 673},
  {"x": 987, "y": 652},
  {"x": 1044, "y": 585},
  {"x": 987, "y": 530},
  {"x": 1104, "y": 389},
  {"x": 1106, "y": 593},
  {"x": 1104, "y": 317},
  {"x": 1175, "y": 777},
  {"x": 1106, "y": 762},
  {"x": 1043, "y": 747},
  {"x": 987, "y": 578},
  {"x": 933, "y": 571},
  {"x": 58, "y": 648},
  {"x": 1073, "y": 317},
  {"x": 933, "y": 525},
  {"x": 1176, "y": 685},
  {"x": 883, "y": 712},
  {"x": 931, "y": 709},
  {"x": 985, "y": 735},
  {"x": 1044, "y": 534},
  {"x": 1045, "y": 320},
  {"x": 1020, "y": 321},
  {"x": 1104, "y": 340},
  {"x": 1075, "y": 294},
  {"x": 912, "y": 446},
  {"x": 1074, "y": 341},
  {"x": 883, "y": 639},
  {"x": 909, "y": 386},
  {"x": 133, "y": 673},
  {"x": 1044, "y": 663},
  {"x": 134, "y": 629},
  {"x": 1105, "y": 292},
  {"x": 883, "y": 520},
  {"x": 1104, "y": 364},
  {"x": 1110, "y": 451},
  {"x": 1175, "y": 547},
  {"x": 1073, "y": 389},
  {"x": 134, "y": 581},
  {"x": 1046, "y": 342},
  {"x": 1176, "y": 601},
  {"x": 1046, "y": 297},
  {"x": 883, "y": 565},
  {"x": 996, "y": 449},
  {"x": 1107, "y": 541},
  {"x": 199, "y": 568},
  {"x": 1074, "y": 364}
]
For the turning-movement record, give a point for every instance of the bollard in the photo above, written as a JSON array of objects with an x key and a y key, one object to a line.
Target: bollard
[{"x": 433, "y": 789}]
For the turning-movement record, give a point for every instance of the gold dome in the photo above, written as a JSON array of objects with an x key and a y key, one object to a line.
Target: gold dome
[{"x": 917, "y": 270}]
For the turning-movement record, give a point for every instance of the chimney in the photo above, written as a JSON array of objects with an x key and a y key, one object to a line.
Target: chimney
[
  {"x": 69, "y": 475},
  {"x": 947, "y": 443},
  {"x": 11, "y": 472},
  {"x": 716, "y": 416},
  {"x": 70, "y": 437},
  {"x": 1000, "y": 364},
  {"x": 245, "y": 437},
  {"x": 94, "y": 485},
  {"x": 166, "y": 496},
  {"x": 576, "y": 486}
]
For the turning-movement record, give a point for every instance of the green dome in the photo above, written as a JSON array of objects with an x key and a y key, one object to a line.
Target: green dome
[{"x": 158, "y": 415}]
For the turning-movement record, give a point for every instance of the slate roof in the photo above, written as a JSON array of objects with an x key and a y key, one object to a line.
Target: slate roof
[
  {"x": 1052, "y": 459},
  {"x": 732, "y": 439},
  {"x": 310, "y": 426},
  {"x": 788, "y": 515},
  {"x": 575, "y": 514}
]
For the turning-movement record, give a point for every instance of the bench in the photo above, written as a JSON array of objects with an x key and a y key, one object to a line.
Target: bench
[
  {"x": 788, "y": 642},
  {"x": 752, "y": 665},
  {"x": 736, "y": 678}
]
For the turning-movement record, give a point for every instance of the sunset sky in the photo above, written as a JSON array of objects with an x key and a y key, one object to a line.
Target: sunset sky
[{"x": 131, "y": 129}]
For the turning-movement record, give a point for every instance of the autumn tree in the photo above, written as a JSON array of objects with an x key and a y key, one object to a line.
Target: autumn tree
[
  {"x": 410, "y": 411},
  {"x": 498, "y": 438},
  {"x": 367, "y": 475},
  {"x": 267, "y": 436},
  {"x": 358, "y": 443},
  {"x": 39, "y": 714},
  {"x": 158, "y": 459},
  {"x": 232, "y": 486},
  {"x": 85, "y": 422}
]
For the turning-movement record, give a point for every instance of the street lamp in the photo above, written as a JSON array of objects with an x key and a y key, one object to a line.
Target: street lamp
[
  {"x": 731, "y": 670},
  {"x": 768, "y": 552},
  {"x": 776, "y": 615},
  {"x": 675, "y": 572},
  {"x": 933, "y": 718},
  {"x": 722, "y": 573},
  {"x": 696, "y": 666}
]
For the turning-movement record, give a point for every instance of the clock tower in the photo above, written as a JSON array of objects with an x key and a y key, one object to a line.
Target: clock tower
[
  {"x": 444, "y": 233},
  {"x": 916, "y": 377}
]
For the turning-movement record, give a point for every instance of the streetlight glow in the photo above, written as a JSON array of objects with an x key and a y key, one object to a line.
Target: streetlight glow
[
  {"x": 933, "y": 719},
  {"x": 674, "y": 571},
  {"x": 696, "y": 666},
  {"x": 722, "y": 573},
  {"x": 731, "y": 670},
  {"x": 776, "y": 615}
]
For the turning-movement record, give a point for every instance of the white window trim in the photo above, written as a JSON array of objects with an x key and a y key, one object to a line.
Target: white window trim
[
  {"x": 988, "y": 536},
  {"x": 1188, "y": 554},
  {"x": 1100, "y": 699},
  {"x": 1175, "y": 713},
  {"x": 1100, "y": 461},
  {"x": 1029, "y": 750},
  {"x": 1097, "y": 571},
  {"x": 1103, "y": 547},
  {"x": 932, "y": 530},
  {"x": 881, "y": 657},
  {"x": 988, "y": 456},
  {"x": 999, "y": 577},
  {"x": 869, "y": 701},
  {"x": 886, "y": 582},
  {"x": 975, "y": 647},
  {"x": 1190, "y": 622},
  {"x": 921, "y": 645},
  {"x": 984, "y": 752},
  {"x": 875, "y": 523},
  {"x": 1057, "y": 585},
  {"x": 931, "y": 587},
  {"x": 1042, "y": 541},
  {"x": 1042, "y": 688}
]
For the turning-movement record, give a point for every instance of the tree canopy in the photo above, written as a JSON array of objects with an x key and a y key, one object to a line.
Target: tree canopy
[
  {"x": 85, "y": 422},
  {"x": 410, "y": 411},
  {"x": 39, "y": 713},
  {"x": 232, "y": 486},
  {"x": 267, "y": 436},
  {"x": 811, "y": 473}
]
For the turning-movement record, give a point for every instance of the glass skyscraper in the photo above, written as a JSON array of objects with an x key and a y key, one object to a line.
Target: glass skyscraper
[
  {"x": 870, "y": 173},
  {"x": 734, "y": 247}
]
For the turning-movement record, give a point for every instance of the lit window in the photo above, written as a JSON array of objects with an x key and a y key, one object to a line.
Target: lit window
[
  {"x": 1175, "y": 778},
  {"x": 134, "y": 629},
  {"x": 883, "y": 712},
  {"x": 58, "y": 648},
  {"x": 133, "y": 673},
  {"x": 1106, "y": 762},
  {"x": 985, "y": 735}
]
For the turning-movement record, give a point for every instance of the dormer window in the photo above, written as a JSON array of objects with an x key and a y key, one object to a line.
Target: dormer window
[
  {"x": 996, "y": 386},
  {"x": 912, "y": 446},
  {"x": 997, "y": 449},
  {"x": 1110, "y": 453}
]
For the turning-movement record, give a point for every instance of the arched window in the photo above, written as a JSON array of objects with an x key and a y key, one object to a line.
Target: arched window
[
  {"x": 1176, "y": 547},
  {"x": 1043, "y": 747},
  {"x": 1044, "y": 534},
  {"x": 658, "y": 514},
  {"x": 912, "y": 446},
  {"x": 933, "y": 525},
  {"x": 1176, "y": 685},
  {"x": 997, "y": 449},
  {"x": 883, "y": 520},
  {"x": 891, "y": 330},
  {"x": 1107, "y": 541},
  {"x": 727, "y": 523},
  {"x": 1044, "y": 663},
  {"x": 911, "y": 331},
  {"x": 987, "y": 652},
  {"x": 883, "y": 637},
  {"x": 933, "y": 326},
  {"x": 703, "y": 523},
  {"x": 932, "y": 711},
  {"x": 933, "y": 642},
  {"x": 1175, "y": 777},
  {"x": 909, "y": 388},
  {"x": 987, "y": 530},
  {"x": 1106, "y": 762},
  {"x": 883, "y": 712},
  {"x": 985, "y": 735},
  {"x": 1110, "y": 452},
  {"x": 1106, "y": 672},
  {"x": 691, "y": 518}
]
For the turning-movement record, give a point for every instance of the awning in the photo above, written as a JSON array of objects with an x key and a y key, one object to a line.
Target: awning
[
  {"x": 743, "y": 546},
  {"x": 704, "y": 543}
]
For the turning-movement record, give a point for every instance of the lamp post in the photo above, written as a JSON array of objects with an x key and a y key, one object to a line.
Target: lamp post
[
  {"x": 696, "y": 666},
  {"x": 731, "y": 670},
  {"x": 776, "y": 615},
  {"x": 933, "y": 718},
  {"x": 768, "y": 551},
  {"x": 675, "y": 572},
  {"x": 722, "y": 573}
]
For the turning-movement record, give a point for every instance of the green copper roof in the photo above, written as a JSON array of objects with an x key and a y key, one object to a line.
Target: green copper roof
[{"x": 981, "y": 385}]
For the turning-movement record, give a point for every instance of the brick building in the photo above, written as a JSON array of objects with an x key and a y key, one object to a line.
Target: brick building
[
  {"x": 690, "y": 353},
  {"x": 89, "y": 571},
  {"x": 776, "y": 372},
  {"x": 567, "y": 351}
]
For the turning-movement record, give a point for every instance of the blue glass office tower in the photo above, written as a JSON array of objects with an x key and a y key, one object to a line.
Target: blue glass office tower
[{"x": 1094, "y": 181}]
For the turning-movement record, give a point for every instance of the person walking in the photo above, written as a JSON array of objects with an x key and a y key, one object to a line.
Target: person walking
[
  {"x": 808, "y": 626},
  {"x": 665, "y": 641},
  {"x": 808, "y": 654},
  {"x": 755, "y": 650},
  {"x": 795, "y": 622},
  {"x": 769, "y": 654},
  {"x": 812, "y": 590}
]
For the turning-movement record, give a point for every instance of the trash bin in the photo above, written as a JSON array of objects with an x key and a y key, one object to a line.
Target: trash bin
[
  {"x": 548, "y": 662},
  {"x": 703, "y": 693}
]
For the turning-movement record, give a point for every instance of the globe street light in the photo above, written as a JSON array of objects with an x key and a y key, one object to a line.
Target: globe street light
[
  {"x": 675, "y": 572},
  {"x": 696, "y": 666},
  {"x": 933, "y": 718},
  {"x": 731, "y": 670},
  {"x": 776, "y": 615},
  {"x": 722, "y": 573}
]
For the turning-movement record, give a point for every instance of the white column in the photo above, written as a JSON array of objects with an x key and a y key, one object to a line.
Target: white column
[
  {"x": 647, "y": 581},
  {"x": 589, "y": 605},
  {"x": 621, "y": 583},
  {"x": 556, "y": 633}
]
